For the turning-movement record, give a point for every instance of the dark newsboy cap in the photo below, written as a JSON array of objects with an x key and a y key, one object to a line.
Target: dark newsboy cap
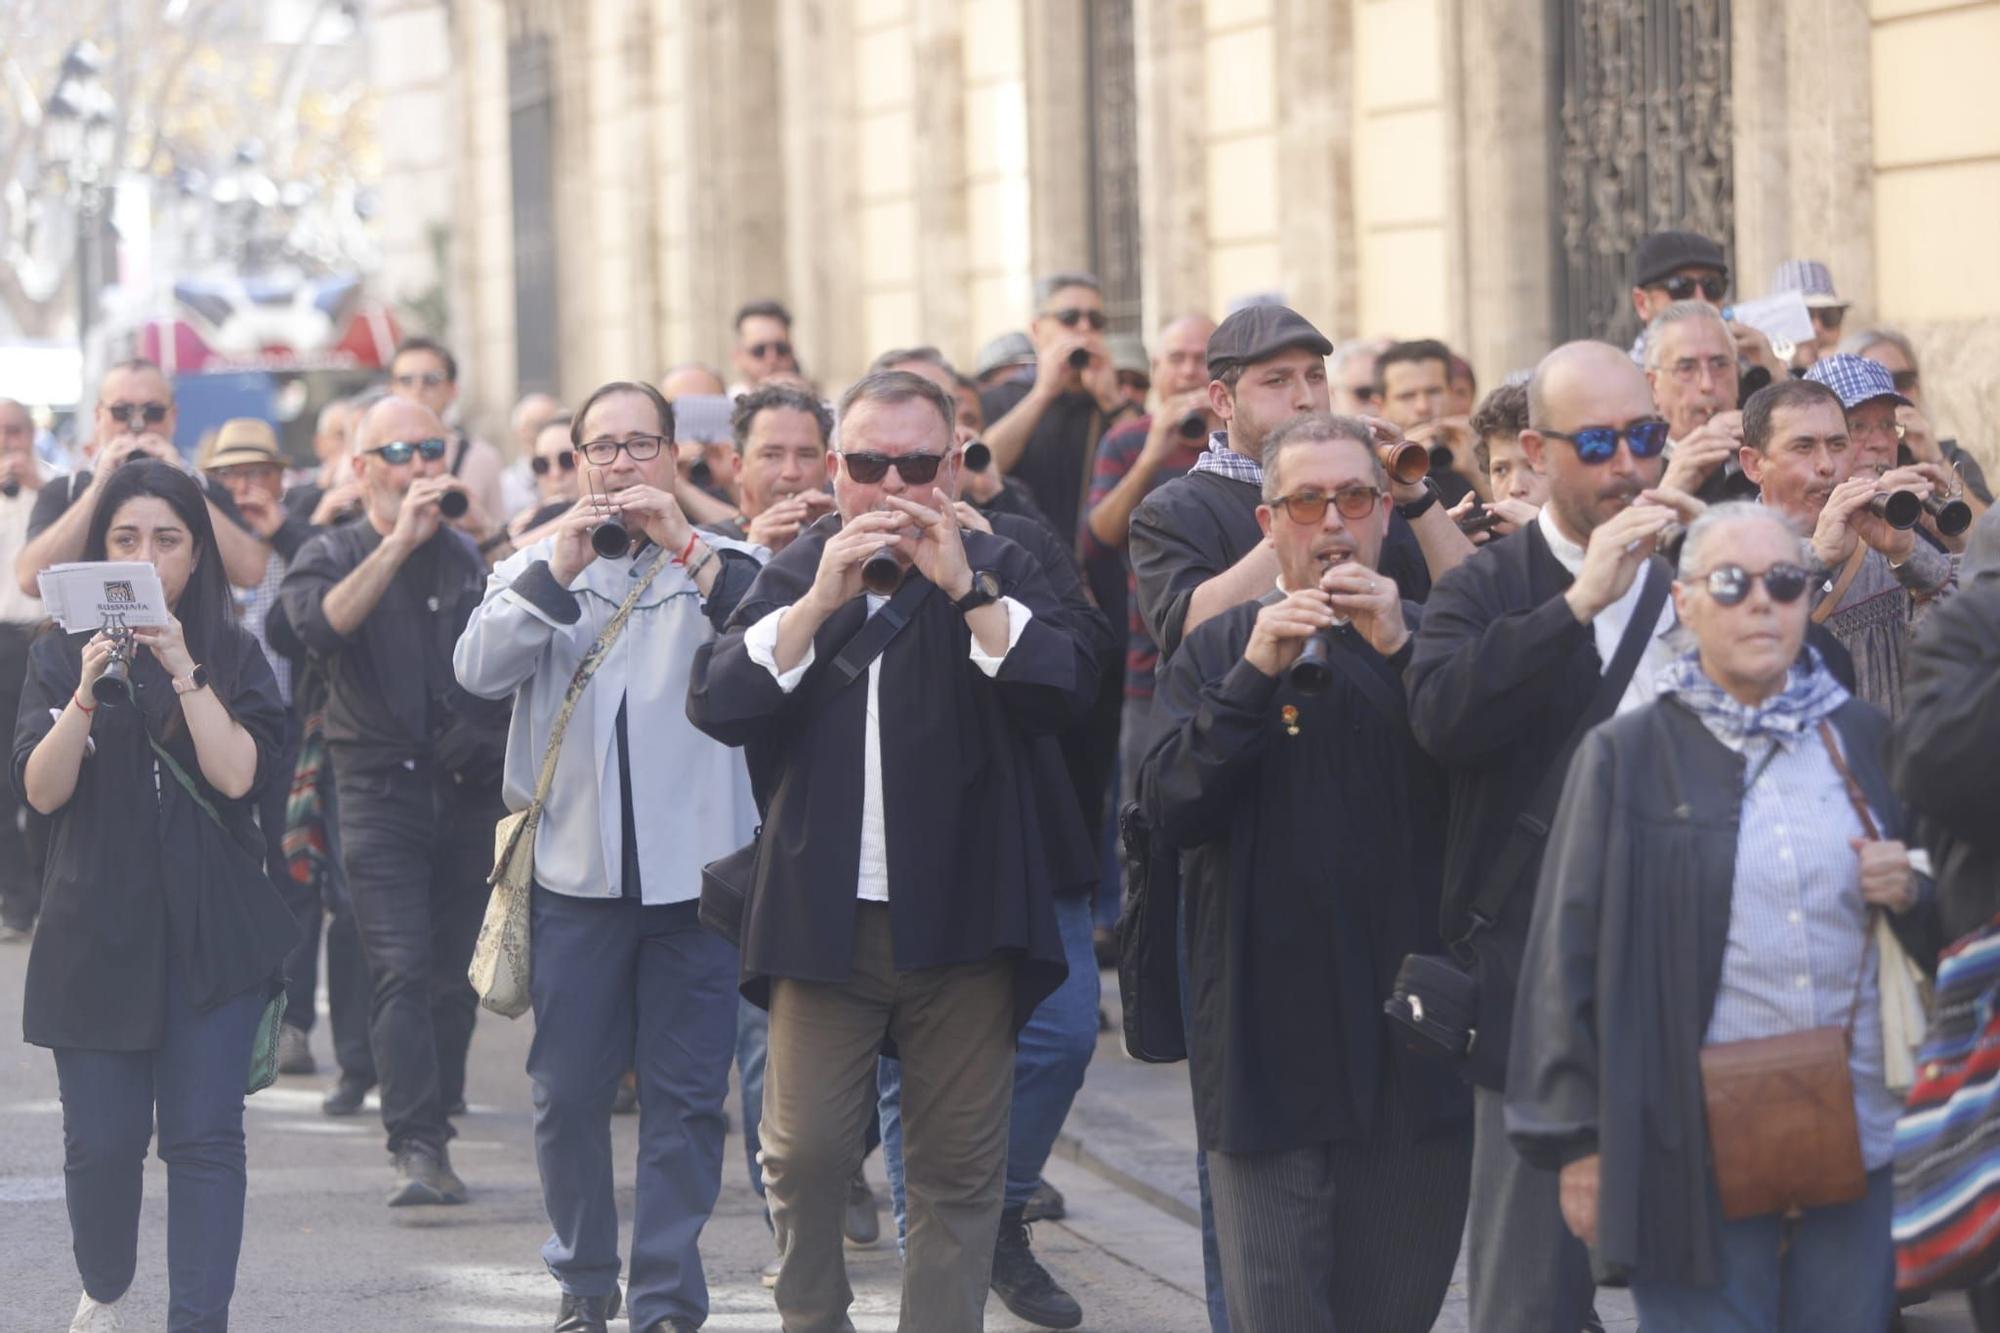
[
  {"x": 1258, "y": 333},
  {"x": 1664, "y": 251}
]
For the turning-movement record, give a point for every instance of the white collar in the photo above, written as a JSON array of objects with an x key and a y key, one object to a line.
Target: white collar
[{"x": 1569, "y": 553}]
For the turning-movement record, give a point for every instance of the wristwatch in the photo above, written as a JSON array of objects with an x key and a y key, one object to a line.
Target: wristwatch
[
  {"x": 196, "y": 679},
  {"x": 1415, "y": 509},
  {"x": 985, "y": 591}
]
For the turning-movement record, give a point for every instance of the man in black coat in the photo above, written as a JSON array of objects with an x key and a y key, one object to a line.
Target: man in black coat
[
  {"x": 1511, "y": 652},
  {"x": 901, "y": 889},
  {"x": 1311, "y": 824}
]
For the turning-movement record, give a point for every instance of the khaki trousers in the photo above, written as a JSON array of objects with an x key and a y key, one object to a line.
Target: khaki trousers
[{"x": 953, "y": 1027}]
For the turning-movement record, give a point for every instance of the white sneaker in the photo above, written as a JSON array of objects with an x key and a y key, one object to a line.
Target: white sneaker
[{"x": 95, "y": 1316}]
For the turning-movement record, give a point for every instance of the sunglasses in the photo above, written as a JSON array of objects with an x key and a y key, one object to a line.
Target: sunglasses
[
  {"x": 1071, "y": 317},
  {"x": 915, "y": 469},
  {"x": 131, "y": 415},
  {"x": 1904, "y": 380},
  {"x": 566, "y": 460},
  {"x": 640, "y": 449},
  {"x": 1682, "y": 287},
  {"x": 1309, "y": 506},
  {"x": 398, "y": 452},
  {"x": 758, "y": 351},
  {"x": 1828, "y": 317},
  {"x": 1645, "y": 437},
  {"x": 430, "y": 379},
  {"x": 1730, "y": 584}
]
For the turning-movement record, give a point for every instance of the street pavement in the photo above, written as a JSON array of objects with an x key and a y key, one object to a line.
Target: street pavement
[{"x": 321, "y": 1254}]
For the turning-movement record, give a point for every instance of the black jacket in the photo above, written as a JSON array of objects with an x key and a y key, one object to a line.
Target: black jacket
[
  {"x": 1310, "y": 869},
  {"x": 135, "y": 868},
  {"x": 969, "y": 872},
  {"x": 1623, "y": 964},
  {"x": 1501, "y": 674}
]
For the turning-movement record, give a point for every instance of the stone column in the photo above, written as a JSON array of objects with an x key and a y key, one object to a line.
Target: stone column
[
  {"x": 1314, "y": 191},
  {"x": 1173, "y": 168},
  {"x": 817, "y": 156},
  {"x": 939, "y": 154},
  {"x": 1058, "y": 135}
]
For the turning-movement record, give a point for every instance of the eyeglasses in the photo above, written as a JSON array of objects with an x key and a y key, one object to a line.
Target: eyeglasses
[
  {"x": 398, "y": 452},
  {"x": 1730, "y": 584},
  {"x": 915, "y": 469},
  {"x": 758, "y": 351},
  {"x": 131, "y": 415},
  {"x": 1904, "y": 380},
  {"x": 639, "y": 448},
  {"x": 1309, "y": 506},
  {"x": 1681, "y": 287},
  {"x": 1645, "y": 437},
  {"x": 430, "y": 379},
  {"x": 1828, "y": 317},
  {"x": 1070, "y": 317},
  {"x": 1688, "y": 369},
  {"x": 566, "y": 460}
]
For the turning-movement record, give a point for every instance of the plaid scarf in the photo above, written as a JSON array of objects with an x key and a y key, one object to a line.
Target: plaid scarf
[
  {"x": 1221, "y": 458},
  {"x": 1811, "y": 694}
]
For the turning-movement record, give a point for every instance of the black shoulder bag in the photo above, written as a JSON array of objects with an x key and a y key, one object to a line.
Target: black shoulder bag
[
  {"x": 1439, "y": 999},
  {"x": 725, "y": 882}
]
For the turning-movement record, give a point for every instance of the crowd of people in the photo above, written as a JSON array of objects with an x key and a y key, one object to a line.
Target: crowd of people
[{"x": 1512, "y": 760}]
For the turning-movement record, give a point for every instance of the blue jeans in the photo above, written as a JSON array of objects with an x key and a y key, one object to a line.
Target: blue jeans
[
  {"x": 617, "y": 985},
  {"x": 1050, "y": 1056},
  {"x": 1836, "y": 1275},
  {"x": 194, "y": 1083}
]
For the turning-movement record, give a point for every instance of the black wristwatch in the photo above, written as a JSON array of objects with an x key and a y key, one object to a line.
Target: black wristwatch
[
  {"x": 1416, "y": 509},
  {"x": 985, "y": 591}
]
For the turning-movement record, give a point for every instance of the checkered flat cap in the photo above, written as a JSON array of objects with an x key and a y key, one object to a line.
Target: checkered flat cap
[{"x": 1855, "y": 379}]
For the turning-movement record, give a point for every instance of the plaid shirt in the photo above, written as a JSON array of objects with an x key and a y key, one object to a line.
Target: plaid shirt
[
  {"x": 1221, "y": 458},
  {"x": 253, "y": 608}
]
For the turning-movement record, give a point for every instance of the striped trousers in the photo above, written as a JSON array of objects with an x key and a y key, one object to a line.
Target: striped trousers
[{"x": 1341, "y": 1237}]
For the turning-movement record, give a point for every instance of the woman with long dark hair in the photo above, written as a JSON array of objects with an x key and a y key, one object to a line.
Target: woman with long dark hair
[{"x": 161, "y": 939}]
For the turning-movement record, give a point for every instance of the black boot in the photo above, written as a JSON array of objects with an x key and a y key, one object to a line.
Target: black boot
[
  {"x": 1023, "y": 1285},
  {"x": 587, "y": 1314}
]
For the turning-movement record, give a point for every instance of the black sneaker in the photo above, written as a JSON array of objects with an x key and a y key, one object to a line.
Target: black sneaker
[
  {"x": 862, "y": 1222},
  {"x": 423, "y": 1177},
  {"x": 1023, "y": 1285},
  {"x": 295, "y": 1051},
  {"x": 1044, "y": 1205},
  {"x": 587, "y": 1314},
  {"x": 346, "y": 1096}
]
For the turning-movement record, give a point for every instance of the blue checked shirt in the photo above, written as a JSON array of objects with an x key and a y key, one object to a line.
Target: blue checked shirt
[{"x": 1798, "y": 928}]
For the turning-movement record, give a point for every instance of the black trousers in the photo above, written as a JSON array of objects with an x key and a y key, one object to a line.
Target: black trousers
[
  {"x": 416, "y": 847},
  {"x": 22, "y": 836}
]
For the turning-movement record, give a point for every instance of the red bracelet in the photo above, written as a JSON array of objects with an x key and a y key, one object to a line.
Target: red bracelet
[
  {"x": 79, "y": 703},
  {"x": 686, "y": 551}
]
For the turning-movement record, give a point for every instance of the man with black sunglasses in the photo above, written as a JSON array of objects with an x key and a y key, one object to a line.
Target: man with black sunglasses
[
  {"x": 1674, "y": 266},
  {"x": 763, "y": 345},
  {"x": 380, "y": 604},
  {"x": 1046, "y": 432},
  {"x": 134, "y": 418}
]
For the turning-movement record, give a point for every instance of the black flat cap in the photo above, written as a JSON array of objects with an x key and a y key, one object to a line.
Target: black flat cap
[
  {"x": 1258, "y": 333},
  {"x": 1665, "y": 251}
]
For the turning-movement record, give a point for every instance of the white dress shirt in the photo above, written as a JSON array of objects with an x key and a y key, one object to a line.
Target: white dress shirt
[
  {"x": 1609, "y": 626},
  {"x": 761, "y": 642}
]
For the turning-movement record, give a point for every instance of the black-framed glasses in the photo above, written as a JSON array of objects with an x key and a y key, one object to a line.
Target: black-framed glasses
[
  {"x": 429, "y": 379},
  {"x": 1904, "y": 380},
  {"x": 915, "y": 469},
  {"x": 1730, "y": 584},
  {"x": 1645, "y": 437},
  {"x": 398, "y": 452},
  {"x": 639, "y": 448},
  {"x": 1070, "y": 316},
  {"x": 540, "y": 464},
  {"x": 1309, "y": 506},
  {"x": 133, "y": 415},
  {"x": 1681, "y": 287},
  {"x": 779, "y": 347}
]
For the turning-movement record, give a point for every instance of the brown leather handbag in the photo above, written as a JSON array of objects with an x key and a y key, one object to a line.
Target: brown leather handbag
[{"x": 1781, "y": 1120}]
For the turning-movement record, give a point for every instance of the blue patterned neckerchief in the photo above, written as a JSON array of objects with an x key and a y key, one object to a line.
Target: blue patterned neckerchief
[
  {"x": 1811, "y": 694},
  {"x": 1221, "y": 458}
]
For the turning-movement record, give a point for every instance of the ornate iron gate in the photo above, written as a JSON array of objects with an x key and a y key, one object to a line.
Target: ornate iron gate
[
  {"x": 1113, "y": 100},
  {"x": 531, "y": 134},
  {"x": 1640, "y": 141}
]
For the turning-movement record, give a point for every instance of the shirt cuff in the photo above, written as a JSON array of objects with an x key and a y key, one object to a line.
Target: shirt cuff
[
  {"x": 761, "y": 642},
  {"x": 538, "y": 590},
  {"x": 1018, "y": 617}
]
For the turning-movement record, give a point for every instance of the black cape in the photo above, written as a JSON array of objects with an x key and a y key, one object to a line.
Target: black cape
[
  {"x": 1311, "y": 869},
  {"x": 969, "y": 867}
]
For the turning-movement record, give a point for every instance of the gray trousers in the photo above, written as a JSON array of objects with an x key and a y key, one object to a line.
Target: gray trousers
[
  {"x": 954, "y": 1028},
  {"x": 1527, "y": 1273},
  {"x": 1341, "y": 1237}
]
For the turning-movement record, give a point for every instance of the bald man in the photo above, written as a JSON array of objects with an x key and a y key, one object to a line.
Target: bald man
[
  {"x": 416, "y": 763},
  {"x": 690, "y": 377}
]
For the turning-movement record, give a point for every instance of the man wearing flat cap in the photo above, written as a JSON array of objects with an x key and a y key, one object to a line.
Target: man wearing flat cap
[{"x": 1674, "y": 266}]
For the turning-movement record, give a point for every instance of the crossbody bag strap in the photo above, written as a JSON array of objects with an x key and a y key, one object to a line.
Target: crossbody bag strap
[
  {"x": 1345, "y": 657},
  {"x": 1874, "y": 834},
  {"x": 587, "y": 668},
  {"x": 1524, "y": 839},
  {"x": 867, "y": 643},
  {"x": 1827, "y": 603},
  {"x": 187, "y": 783}
]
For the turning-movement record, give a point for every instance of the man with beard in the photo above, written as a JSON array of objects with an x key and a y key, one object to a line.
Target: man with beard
[
  {"x": 1875, "y": 581},
  {"x": 781, "y": 435},
  {"x": 1691, "y": 366},
  {"x": 1311, "y": 826}
]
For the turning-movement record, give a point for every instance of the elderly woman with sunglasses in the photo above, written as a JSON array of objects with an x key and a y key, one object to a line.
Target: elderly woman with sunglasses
[{"x": 1709, "y": 879}]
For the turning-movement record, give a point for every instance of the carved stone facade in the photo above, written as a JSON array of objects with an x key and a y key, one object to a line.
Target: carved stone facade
[{"x": 898, "y": 170}]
